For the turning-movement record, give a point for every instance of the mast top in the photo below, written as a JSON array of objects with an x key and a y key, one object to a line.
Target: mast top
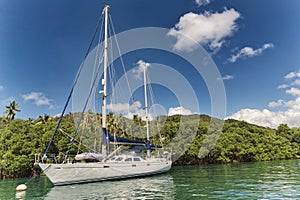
[{"x": 106, "y": 7}]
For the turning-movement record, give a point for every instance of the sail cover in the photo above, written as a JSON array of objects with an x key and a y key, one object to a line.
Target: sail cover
[{"x": 106, "y": 135}]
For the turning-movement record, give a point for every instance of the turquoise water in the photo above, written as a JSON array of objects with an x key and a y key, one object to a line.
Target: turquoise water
[{"x": 263, "y": 180}]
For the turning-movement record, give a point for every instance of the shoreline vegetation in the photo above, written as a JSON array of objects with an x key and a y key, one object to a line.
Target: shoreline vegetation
[{"x": 239, "y": 141}]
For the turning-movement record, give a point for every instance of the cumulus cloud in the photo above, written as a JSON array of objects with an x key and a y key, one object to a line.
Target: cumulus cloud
[
  {"x": 129, "y": 110},
  {"x": 292, "y": 75},
  {"x": 264, "y": 118},
  {"x": 277, "y": 103},
  {"x": 269, "y": 118},
  {"x": 205, "y": 29},
  {"x": 1, "y": 88},
  {"x": 124, "y": 107},
  {"x": 296, "y": 82},
  {"x": 248, "y": 52},
  {"x": 293, "y": 91},
  {"x": 140, "y": 69},
  {"x": 179, "y": 111},
  {"x": 227, "y": 77},
  {"x": 289, "y": 77},
  {"x": 282, "y": 86},
  {"x": 202, "y": 2},
  {"x": 39, "y": 99},
  {"x": 288, "y": 111}
]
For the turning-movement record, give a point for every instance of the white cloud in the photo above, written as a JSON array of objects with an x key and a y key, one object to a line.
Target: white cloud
[
  {"x": 263, "y": 118},
  {"x": 207, "y": 28},
  {"x": 293, "y": 91},
  {"x": 140, "y": 68},
  {"x": 282, "y": 86},
  {"x": 227, "y": 77},
  {"x": 288, "y": 77},
  {"x": 57, "y": 115},
  {"x": 39, "y": 99},
  {"x": 129, "y": 110},
  {"x": 1, "y": 88},
  {"x": 292, "y": 75},
  {"x": 288, "y": 112},
  {"x": 119, "y": 107},
  {"x": 277, "y": 103},
  {"x": 269, "y": 118},
  {"x": 248, "y": 52},
  {"x": 179, "y": 111},
  {"x": 296, "y": 82},
  {"x": 124, "y": 107},
  {"x": 202, "y": 2}
]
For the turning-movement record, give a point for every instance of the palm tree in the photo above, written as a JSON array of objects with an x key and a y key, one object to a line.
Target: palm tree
[
  {"x": 43, "y": 119},
  {"x": 11, "y": 110}
]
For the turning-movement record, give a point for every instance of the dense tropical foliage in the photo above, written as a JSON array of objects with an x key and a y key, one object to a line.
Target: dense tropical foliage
[{"x": 239, "y": 141}]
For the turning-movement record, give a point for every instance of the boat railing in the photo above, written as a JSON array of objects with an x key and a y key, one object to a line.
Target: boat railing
[{"x": 38, "y": 158}]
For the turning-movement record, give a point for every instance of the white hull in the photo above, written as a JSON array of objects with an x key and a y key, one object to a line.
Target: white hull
[{"x": 64, "y": 174}]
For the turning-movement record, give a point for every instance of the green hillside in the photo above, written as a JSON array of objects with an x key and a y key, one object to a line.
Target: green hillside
[{"x": 239, "y": 141}]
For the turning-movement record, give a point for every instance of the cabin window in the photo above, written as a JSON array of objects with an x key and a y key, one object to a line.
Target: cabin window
[
  {"x": 136, "y": 159},
  {"x": 119, "y": 159},
  {"x": 113, "y": 158},
  {"x": 128, "y": 159}
]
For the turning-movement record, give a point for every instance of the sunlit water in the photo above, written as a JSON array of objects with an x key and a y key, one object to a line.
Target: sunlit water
[{"x": 264, "y": 180}]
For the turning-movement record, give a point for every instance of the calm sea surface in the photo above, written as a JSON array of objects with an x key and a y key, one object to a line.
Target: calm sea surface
[{"x": 264, "y": 180}]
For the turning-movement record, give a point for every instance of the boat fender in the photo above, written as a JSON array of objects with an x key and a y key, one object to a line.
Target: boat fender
[{"x": 21, "y": 187}]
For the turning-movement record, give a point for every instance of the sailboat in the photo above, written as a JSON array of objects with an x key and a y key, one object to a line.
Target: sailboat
[{"x": 107, "y": 165}]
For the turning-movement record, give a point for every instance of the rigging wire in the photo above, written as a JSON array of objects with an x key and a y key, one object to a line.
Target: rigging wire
[
  {"x": 86, "y": 103},
  {"x": 97, "y": 49},
  {"x": 153, "y": 103},
  {"x": 72, "y": 89},
  {"x": 113, "y": 80},
  {"x": 112, "y": 72},
  {"x": 121, "y": 59},
  {"x": 124, "y": 70},
  {"x": 79, "y": 143},
  {"x": 97, "y": 60},
  {"x": 82, "y": 113}
]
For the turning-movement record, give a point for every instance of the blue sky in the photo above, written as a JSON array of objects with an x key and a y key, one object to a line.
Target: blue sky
[{"x": 255, "y": 45}]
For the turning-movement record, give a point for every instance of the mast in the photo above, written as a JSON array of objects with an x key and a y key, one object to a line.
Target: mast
[
  {"x": 146, "y": 108},
  {"x": 104, "y": 80}
]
